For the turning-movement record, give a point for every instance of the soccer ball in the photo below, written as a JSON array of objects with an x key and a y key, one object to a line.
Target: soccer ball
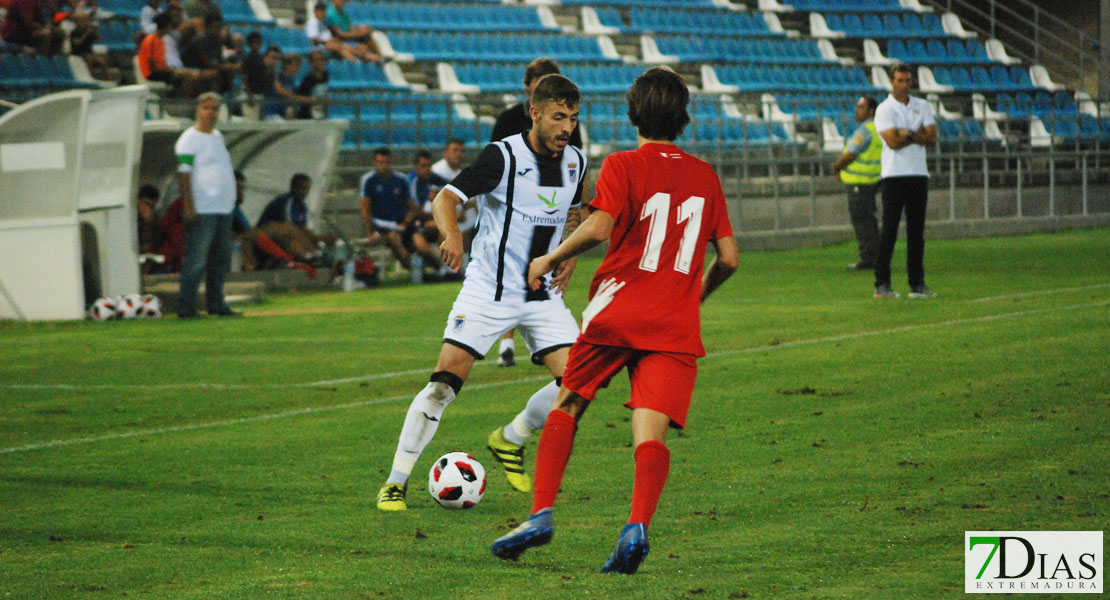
[
  {"x": 457, "y": 480},
  {"x": 151, "y": 308},
  {"x": 104, "y": 309},
  {"x": 129, "y": 306}
]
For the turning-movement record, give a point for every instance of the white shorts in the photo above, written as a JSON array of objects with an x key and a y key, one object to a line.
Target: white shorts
[{"x": 546, "y": 325}]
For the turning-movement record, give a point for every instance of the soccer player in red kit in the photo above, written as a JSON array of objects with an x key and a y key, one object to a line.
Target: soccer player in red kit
[{"x": 658, "y": 207}]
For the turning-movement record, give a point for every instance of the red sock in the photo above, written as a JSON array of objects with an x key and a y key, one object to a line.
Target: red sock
[
  {"x": 552, "y": 454},
  {"x": 653, "y": 463},
  {"x": 270, "y": 247}
]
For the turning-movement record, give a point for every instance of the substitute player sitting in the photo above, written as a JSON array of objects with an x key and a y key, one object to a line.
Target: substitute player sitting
[
  {"x": 658, "y": 207},
  {"x": 528, "y": 187}
]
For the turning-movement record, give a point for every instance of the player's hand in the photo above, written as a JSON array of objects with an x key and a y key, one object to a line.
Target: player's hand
[
  {"x": 563, "y": 271},
  {"x": 536, "y": 270},
  {"x": 451, "y": 250},
  {"x": 374, "y": 237}
]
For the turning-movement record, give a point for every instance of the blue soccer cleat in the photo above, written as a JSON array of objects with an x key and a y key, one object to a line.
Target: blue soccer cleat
[
  {"x": 536, "y": 531},
  {"x": 630, "y": 551}
]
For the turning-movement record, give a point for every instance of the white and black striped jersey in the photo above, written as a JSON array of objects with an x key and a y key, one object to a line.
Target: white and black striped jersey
[{"x": 523, "y": 201}]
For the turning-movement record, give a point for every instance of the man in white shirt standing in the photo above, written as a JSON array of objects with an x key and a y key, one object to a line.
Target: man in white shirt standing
[
  {"x": 907, "y": 126},
  {"x": 207, "y": 182}
]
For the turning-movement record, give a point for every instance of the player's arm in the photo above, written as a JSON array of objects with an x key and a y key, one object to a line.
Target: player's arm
[
  {"x": 897, "y": 138},
  {"x": 188, "y": 208},
  {"x": 560, "y": 279},
  {"x": 596, "y": 229},
  {"x": 926, "y": 136},
  {"x": 728, "y": 259},
  {"x": 444, "y": 211},
  {"x": 844, "y": 160}
]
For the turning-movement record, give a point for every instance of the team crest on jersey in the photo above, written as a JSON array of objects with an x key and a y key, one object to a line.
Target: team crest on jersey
[
  {"x": 572, "y": 169},
  {"x": 459, "y": 320}
]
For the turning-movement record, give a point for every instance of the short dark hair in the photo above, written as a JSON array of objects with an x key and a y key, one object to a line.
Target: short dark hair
[
  {"x": 319, "y": 6},
  {"x": 657, "y": 104},
  {"x": 149, "y": 191},
  {"x": 163, "y": 19},
  {"x": 871, "y": 102},
  {"x": 254, "y": 36},
  {"x": 422, "y": 153},
  {"x": 557, "y": 88},
  {"x": 538, "y": 68},
  {"x": 451, "y": 141},
  {"x": 383, "y": 151},
  {"x": 900, "y": 68},
  {"x": 298, "y": 177},
  {"x": 273, "y": 48}
]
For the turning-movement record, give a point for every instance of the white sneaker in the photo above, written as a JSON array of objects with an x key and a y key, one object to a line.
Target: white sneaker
[{"x": 922, "y": 291}]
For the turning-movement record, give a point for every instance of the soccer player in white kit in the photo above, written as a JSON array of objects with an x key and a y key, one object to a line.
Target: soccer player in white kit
[{"x": 528, "y": 188}]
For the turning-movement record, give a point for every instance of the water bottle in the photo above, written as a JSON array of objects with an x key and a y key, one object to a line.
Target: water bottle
[
  {"x": 236, "y": 257},
  {"x": 417, "y": 268},
  {"x": 348, "y": 275}
]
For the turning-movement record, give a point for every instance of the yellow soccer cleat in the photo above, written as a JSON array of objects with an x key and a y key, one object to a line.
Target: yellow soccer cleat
[
  {"x": 391, "y": 497},
  {"x": 511, "y": 456}
]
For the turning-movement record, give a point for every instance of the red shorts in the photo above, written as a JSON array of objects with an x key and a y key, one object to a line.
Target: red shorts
[{"x": 661, "y": 381}]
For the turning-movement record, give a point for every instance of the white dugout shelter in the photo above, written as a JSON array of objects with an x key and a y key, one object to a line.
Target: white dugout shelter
[
  {"x": 66, "y": 159},
  {"x": 69, "y": 169}
]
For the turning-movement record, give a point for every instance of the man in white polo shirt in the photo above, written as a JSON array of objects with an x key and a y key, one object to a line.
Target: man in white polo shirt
[
  {"x": 207, "y": 182},
  {"x": 907, "y": 126}
]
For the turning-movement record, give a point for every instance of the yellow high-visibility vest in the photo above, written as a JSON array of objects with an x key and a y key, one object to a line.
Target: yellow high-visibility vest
[{"x": 867, "y": 167}]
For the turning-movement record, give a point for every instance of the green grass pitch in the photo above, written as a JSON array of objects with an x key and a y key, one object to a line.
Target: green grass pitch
[{"x": 838, "y": 445}]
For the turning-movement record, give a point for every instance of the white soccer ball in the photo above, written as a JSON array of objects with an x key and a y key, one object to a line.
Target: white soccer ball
[
  {"x": 457, "y": 480},
  {"x": 129, "y": 306},
  {"x": 152, "y": 307},
  {"x": 104, "y": 309}
]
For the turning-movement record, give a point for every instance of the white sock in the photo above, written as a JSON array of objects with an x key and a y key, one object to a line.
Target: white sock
[
  {"x": 420, "y": 427},
  {"x": 506, "y": 344},
  {"x": 532, "y": 418}
]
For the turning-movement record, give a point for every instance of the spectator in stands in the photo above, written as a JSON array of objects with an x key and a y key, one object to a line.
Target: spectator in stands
[
  {"x": 81, "y": 41},
  {"x": 284, "y": 97},
  {"x": 314, "y": 85},
  {"x": 388, "y": 211},
  {"x": 907, "y": 127},
  {"x": 341, "y": 28},
  {"x": 153, "y": 64},
  {"x": 207, "y": 182},
  {"x": 203, "y": 10},
  {"x": 204, "y": 52},
  {"x": 257, "y": 78},
  {"x": 172, "y": 39},
  {"x": 515, "y": 119},
  {"x": 30, "y": 23},
  {"x": 859, "y": 168},
  {"x": 321, "y": 36},
  {"x": 147, "y": 14}
]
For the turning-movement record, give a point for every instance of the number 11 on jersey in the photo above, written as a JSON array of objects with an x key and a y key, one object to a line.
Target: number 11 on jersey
[{"x": 658, "y": 209}]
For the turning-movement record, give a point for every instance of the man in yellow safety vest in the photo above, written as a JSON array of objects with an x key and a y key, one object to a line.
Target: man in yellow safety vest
[{"x": 859, "y": 168}]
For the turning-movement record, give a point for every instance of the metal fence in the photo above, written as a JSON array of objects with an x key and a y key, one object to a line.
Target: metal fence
[{"x": 785, "y": 162}]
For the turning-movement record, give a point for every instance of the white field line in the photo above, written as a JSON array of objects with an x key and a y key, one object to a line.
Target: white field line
[
  {"x": 243, "y": 420},
  {"x": 1040, "y": 293},
  {"x": 311, "y": 410}
]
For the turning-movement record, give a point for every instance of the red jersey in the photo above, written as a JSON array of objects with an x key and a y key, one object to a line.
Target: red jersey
[{"x": 647, "y": 292}]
